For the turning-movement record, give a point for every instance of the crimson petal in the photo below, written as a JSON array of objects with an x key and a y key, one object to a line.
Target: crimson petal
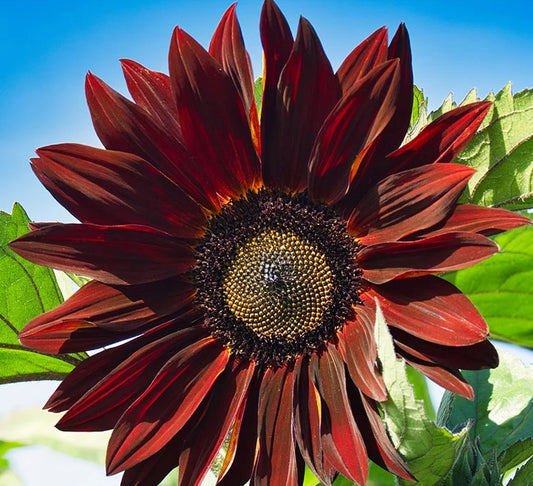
[
  {"x": 222, "y": 144},
  {"x": 343, "y": 445},
  {"x": 101, "y": 407},
  {"x": 112, "y": 254},
  {"x": 442, "y": 140},
  {"x": 151, "y": 90},
  {"x": 478, "y": 219},
  {"x": 307, "y": 423},
  {"x": 307, "y": 92},
  {"x": 348, "y": 132},
  {"x": 357, "y": 346},
  {"x": 430, "y": 308},
  {"x": 451, "y": 251},
  {"x": 227, "y": 47},
  {"x": 164, "y": 408},
  {"x": 365, "y": 57},
  {"x": 226, "y": 399},
  {"x": 112, "y": 188},
  {"x": 276, "y": 461},
  {"x": 407, "y": 202}
]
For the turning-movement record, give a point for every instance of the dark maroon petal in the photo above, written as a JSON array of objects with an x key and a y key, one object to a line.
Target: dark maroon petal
[
  {"x": 448, "y": 378},
  {"x": 442, "y": 140},
  {"x": 122, "y": 125},
  {"x": 473, "y": 357},
  {"x": 379, "y": 446},
  {"x": 357, "y": 346},
  {"x": 478, "y": 219},
  {"x": 365, "y": 57},
  {"x": 240, "y": 455},
  {"x": 451, "y": 251},
  {"x": 113, "y": 254},
  {"x": 348, "y": 133},
  {"x": 221, "y": 144},
  {"x": 151, "y": 90},
  {"x": 227, "y": 47},
  {"x": 100, "y": 312},
  {"x": 343, "y": 445},
  {"x": 228, "y": 394},
  {"x": 407, "y": 202},
  {"x": 112, "y": 188},
  {"x": 307, "y": 423},
  {"x": 306, "y": 93},
  {"x": 276, "y": 461},
  {"x": 430, "y": 308},
  {"x": 101, "y": 407},
  {"x": 91, "y": 370},
  {"x": 164, "y": 408}
]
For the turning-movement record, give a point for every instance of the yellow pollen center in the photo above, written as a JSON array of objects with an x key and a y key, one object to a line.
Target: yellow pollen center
[{"x": 278, "y": 284}]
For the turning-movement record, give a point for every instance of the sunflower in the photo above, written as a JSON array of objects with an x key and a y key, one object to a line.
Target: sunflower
[{"x": 238, "y": 257}]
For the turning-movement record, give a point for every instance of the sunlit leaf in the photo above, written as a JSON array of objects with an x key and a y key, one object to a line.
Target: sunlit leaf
[
  {"x": 258, "y": 93},
  {"x": 515, "y": 455},
  {"x": 26, "y": 290},
  {"x": 502, "y": 287},
  {"x": 524, "y": 475},
  {"x": 428, "y": 450}
]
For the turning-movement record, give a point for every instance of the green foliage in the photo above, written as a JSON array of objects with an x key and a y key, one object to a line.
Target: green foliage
[
  {"x": 258, "y": 93},
  {"x": 429, "y": 451},
  {"x": 500, "y": 418},
  {"x": 502, "y": 287},
  {"x": 26, "y": 290}
]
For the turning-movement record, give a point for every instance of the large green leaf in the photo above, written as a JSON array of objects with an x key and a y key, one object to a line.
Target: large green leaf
[
  {"x": 502, "y": 287},
  {"x": 26, "y": 290},
  {"x": 501, "y": 413},
  {"x": 429, "y": 451}
]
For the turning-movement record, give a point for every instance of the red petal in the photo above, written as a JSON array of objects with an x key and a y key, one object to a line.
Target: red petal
[
  {"x": 307, "y": 423},
  {"x": 213, "y": 121},
  {"x": 101, "y": 407},
  {"x": 227, "y": 47},
  {"x": 112, "y": 188},
  {"x": 451, "y": 251},
  {"x": 365, "y": 57},
  {"x": 478, "y": 219},
  {"x": 349, "y": 131},
  {"x": 240, "y": 455},
  {"x": 276, "y": 456},
  {"x": 407, "y": 202},
  {"x": 343, "y": 445},
  {"x": 100, "y": 312},
  {"x": 442, "y": 140},
  {"x": 227, "y": 396},
  {"x": 358, "y": 350},
  {"x": 473, "y": 357},
  {"x": 151, "y": 90},
  {"x": 122, "y": 125},
  {"x": 113, "y": 254},
  {"x": 430, "y": 308},
  {"x": 449, "y": 379},
  {"x": 164, "y": 408},
  {"x": 307, "y": 92}
]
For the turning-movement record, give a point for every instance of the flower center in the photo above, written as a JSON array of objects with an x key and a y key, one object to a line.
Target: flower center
[{"x": 276, "y": 276}]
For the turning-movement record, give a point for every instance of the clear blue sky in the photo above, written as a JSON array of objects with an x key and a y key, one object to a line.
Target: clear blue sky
[{"x": 46, "y": 48}]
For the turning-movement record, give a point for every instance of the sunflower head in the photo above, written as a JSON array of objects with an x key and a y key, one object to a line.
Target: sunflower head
[{"x": 238, "y": 257}]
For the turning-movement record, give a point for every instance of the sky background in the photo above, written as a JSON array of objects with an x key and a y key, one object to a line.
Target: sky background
[{"x": 47, "y": 47}]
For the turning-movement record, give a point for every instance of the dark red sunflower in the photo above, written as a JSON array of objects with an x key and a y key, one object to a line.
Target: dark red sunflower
[{"x": 238, "y": 258}]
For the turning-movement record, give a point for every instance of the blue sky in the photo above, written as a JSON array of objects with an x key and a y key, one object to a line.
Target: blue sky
[{"x": 46, "y": 48}]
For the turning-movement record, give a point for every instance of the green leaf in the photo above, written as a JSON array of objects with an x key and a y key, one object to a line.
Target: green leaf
[
  {"x": 4, "y": 448},
  {"x": 428, "y": 450},
  {"x": 418, "y": 114},
  {"x": 502, "y": 287},
  {"x": 421, "y": 390},
  {"x": 524, "y": 475},
  {"x": 9, "y": 478},
  {"x": 26, "y": 290},
  {"x": 501, "y": 412},
  {"x": 516, "y": 454},
  {"x": 502, "y": 153},
  {"x": 258, "y": 93}
]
